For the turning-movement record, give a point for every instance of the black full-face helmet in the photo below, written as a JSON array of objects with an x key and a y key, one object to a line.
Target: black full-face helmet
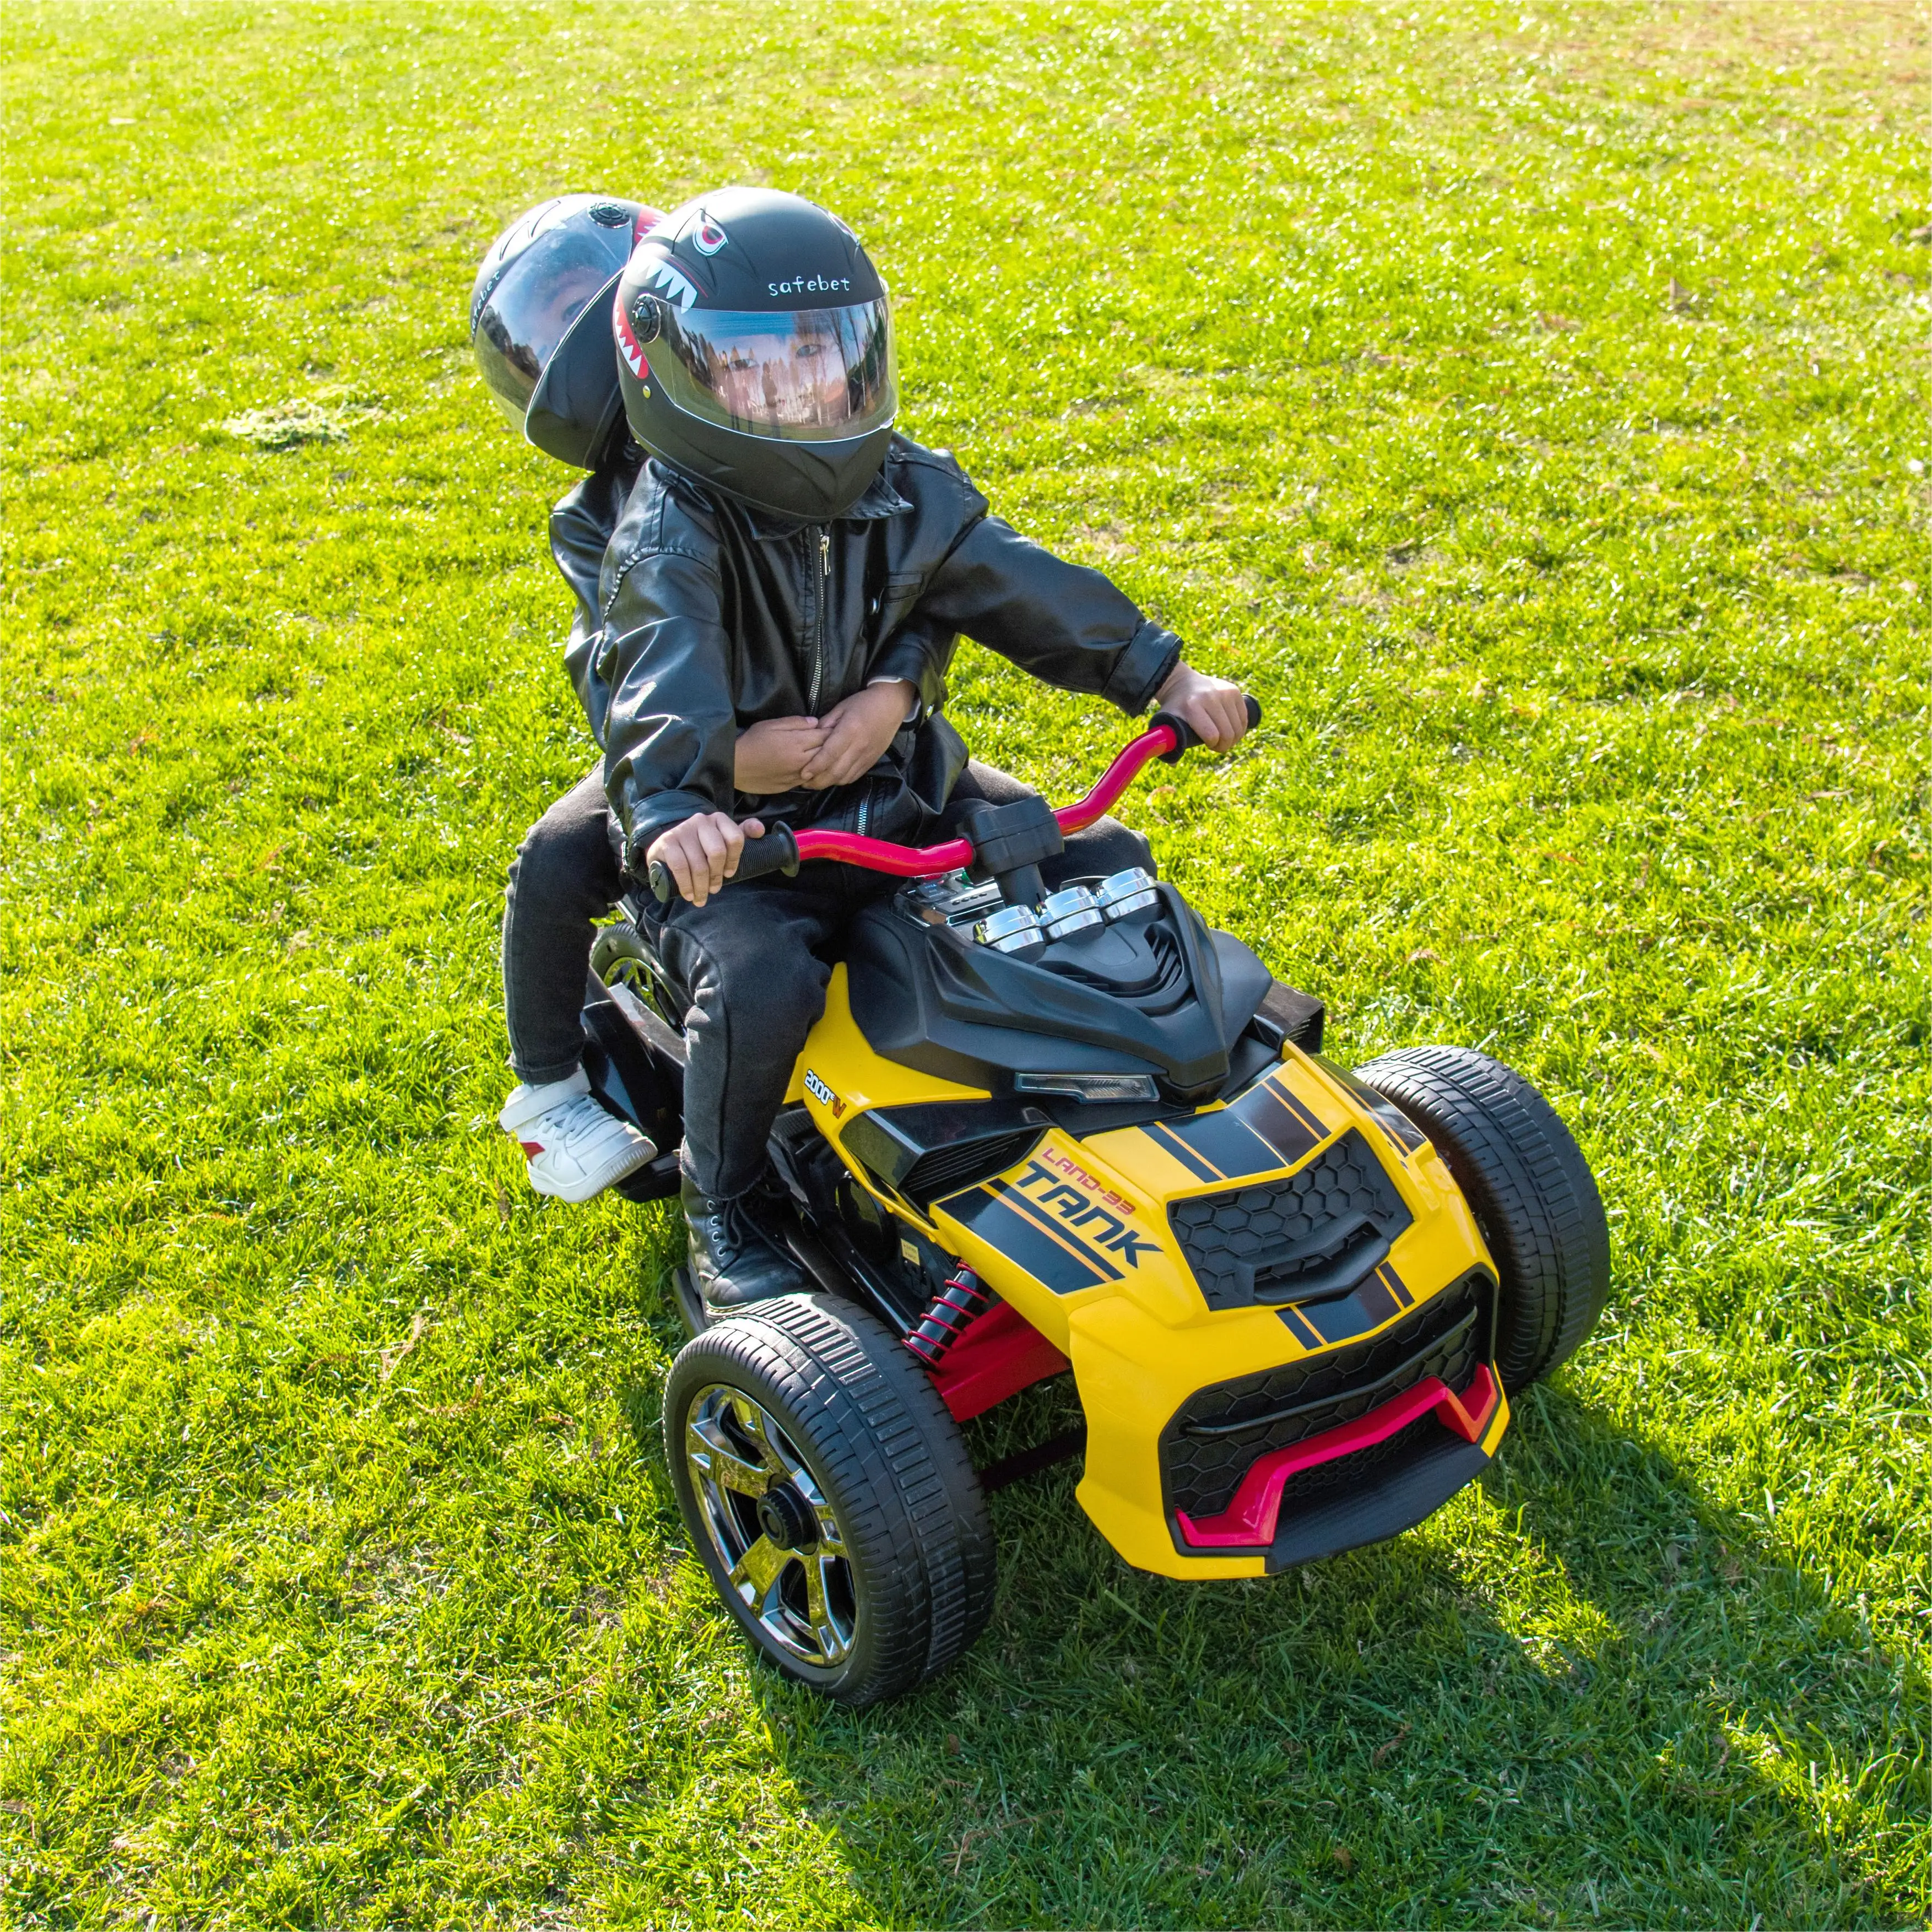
[
  {"x": 754, "y": 346},
  {"x": 539, "y": 321}
]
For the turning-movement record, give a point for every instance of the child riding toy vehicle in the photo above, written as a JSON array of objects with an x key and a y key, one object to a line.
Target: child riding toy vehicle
[{"x": 1035, "y": 1132}]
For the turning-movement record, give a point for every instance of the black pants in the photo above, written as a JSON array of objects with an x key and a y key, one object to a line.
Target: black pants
[
  {"x": 564, "y": 877},
  {"x": 752, "y": 962}
]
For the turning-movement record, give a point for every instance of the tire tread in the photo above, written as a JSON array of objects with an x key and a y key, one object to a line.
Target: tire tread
[
  {"x": 1530, "y": 1186},
  {"x": 907, "y": 1493}
]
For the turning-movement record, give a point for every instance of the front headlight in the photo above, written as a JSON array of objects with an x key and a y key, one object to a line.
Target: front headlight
[{"x": 1089, "y": 1086}]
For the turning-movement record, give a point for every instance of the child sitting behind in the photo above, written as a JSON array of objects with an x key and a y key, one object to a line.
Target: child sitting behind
[{"x": 775, "y": 611}]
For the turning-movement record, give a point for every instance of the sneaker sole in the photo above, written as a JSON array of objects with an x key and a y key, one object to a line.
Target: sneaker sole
[{"x": 594, "y": 1182}]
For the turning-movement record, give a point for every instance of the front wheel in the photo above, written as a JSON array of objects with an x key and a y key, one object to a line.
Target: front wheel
[
  {"x": 830, "y": 1496},
  {"x": 1531, "y": 1190}
]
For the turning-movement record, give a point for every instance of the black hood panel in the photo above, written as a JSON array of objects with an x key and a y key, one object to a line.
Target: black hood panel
[{"x": 931, "y": 998}]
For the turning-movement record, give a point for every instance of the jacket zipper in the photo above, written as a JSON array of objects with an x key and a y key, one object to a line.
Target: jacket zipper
[{"x": 818, "y": 650}]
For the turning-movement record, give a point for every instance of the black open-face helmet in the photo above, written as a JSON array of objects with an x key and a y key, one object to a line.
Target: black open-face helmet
[
  {"x": 754, "y": 347},
  {"x": 539, "y": 321}
]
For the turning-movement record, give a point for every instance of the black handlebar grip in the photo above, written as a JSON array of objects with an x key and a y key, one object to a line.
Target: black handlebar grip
[
  {"x": 776, "y": 852},
  {"x": 1185, "y": 736}
]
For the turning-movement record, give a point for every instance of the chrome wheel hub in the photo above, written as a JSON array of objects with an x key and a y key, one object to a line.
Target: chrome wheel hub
[{"x": 774, "y": 1533}]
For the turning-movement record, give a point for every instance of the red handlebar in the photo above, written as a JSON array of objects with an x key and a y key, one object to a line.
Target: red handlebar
[
  {"x": 921, "y": 862},
  {"x": 782, "y": 850},
  {"x": 1116, "y": 779}
]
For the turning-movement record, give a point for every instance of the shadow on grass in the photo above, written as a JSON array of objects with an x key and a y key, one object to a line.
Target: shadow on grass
[{"x": 1583, "y": 1692}]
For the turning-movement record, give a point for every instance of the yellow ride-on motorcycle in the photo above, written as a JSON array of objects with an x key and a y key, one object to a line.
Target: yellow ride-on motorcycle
[{"x": 1034, "y": 1132}]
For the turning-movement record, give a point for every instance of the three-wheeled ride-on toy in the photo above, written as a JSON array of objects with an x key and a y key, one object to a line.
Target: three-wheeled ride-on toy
[{"x": 1034, "y": 1132}]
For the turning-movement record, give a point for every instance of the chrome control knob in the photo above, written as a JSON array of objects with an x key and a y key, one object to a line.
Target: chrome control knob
[
  {"x": 1067, "y": 910},
  {"x": 1011, "y": 929},
  {"x": 1123, "y": 892}
]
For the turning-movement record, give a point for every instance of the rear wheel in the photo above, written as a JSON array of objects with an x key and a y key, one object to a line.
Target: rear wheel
[
  {"x": 830, "y": 1496},
  {"x": 1529, "y": 1186}
]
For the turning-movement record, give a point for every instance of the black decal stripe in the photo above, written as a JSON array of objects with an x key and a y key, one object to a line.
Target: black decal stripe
[
  {"x": 1302, "y": 1111},
  {"x": 1387, "y": 1115},
  {"x": 1369, "y": 1307},
  {"x": 1165, "y": 1138},
  {"x": 1048, "y": 1225},
  {"x": 1274, "y": 1115},
  {"x": 1017, "y": 1238},
  {"x": 1226, "y": 1141},
  {"x": 1323, "y": 1325},
  {"x": 1298, "y": 1325}
]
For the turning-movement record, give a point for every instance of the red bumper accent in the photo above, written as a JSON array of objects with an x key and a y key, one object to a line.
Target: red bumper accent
[
  {"x": 999, "y": 1355},
  {"x": 1250, "y": 1520}
]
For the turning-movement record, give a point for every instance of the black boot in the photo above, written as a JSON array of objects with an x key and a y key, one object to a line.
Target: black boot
[{"x": 735, "y": 1257}]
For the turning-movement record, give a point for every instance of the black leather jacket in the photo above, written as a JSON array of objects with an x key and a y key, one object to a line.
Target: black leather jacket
[{"x": 708, "y": 615}]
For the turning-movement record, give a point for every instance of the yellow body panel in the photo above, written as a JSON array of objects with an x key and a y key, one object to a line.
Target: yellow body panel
[
  {"x": 1076, "y": 1238},
  {"x": 838, "y": 1056}
]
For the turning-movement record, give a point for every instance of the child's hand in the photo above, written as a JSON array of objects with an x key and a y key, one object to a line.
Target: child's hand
[
  {"x": 1215, "y": 708},
  {"x": 858, "y": 729},
  {"x": 771, "y": 755},
  {"x": 702, "y": 852}
]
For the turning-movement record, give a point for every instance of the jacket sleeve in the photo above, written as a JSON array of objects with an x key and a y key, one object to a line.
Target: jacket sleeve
[
  {"x": 671, "y": 729},
  {"x": 1065, "y": 624},
  {"x": 920, "y": 654},
  {"x": 580, "y": 527}
]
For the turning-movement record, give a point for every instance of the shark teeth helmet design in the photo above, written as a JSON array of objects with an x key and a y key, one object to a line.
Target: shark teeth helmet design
[
  {"x": 754, "y": 351},
  {"x": 539, "y": 315}
]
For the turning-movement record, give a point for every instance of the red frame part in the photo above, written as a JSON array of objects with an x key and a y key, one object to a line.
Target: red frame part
[
  {"x": 998, "y": 1355},
  {"x": 1250, "y": 1520}
]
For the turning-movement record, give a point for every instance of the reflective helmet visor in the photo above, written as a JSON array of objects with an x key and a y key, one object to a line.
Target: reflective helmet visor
[
  {"x": 542, "y": 292},
  {"x": 812, "y": 375}
]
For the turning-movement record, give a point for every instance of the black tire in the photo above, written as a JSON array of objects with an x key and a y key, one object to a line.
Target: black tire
[
  {"x": 1532, "y": 1192},
  {"x": 911, "y": 1583}
]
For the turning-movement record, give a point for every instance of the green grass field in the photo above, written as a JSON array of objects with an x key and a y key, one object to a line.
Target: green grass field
[{"x": 1528, "y": 401}]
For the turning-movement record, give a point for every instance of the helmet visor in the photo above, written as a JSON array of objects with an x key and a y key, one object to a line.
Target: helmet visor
[
  {"x": 812, "y": 375},
  {"x": 542, "y": 292}
]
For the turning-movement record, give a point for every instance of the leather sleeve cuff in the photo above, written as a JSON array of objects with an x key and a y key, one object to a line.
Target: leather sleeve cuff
[
  {"x": 1142, "y": 668},
  {"x": 908, "y": 657},
  {"x": 651, "y": 817}
]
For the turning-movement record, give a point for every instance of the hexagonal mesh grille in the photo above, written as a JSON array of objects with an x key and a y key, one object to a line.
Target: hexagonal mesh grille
[
  {"x": 1447, "y": 1337},
  {"x": 1250, "y": 1243}
]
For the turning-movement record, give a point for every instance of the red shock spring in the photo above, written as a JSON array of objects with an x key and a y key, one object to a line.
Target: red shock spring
[{"x": 964, "y": 1297}]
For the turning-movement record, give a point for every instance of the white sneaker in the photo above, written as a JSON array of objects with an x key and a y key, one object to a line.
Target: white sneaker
[{"x": 576, "y": 1149}]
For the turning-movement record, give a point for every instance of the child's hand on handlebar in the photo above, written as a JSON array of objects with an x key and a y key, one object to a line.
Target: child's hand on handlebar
[
  {"x": 1215, "y": 709},
  {"x": 702, "y": 852},
  {"x": 858, "y": 729},
  {"x": 771, "y": 755}
]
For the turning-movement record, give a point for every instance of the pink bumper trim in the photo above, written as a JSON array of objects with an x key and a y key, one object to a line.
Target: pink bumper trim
[{"x": 1251, "y": 1517}]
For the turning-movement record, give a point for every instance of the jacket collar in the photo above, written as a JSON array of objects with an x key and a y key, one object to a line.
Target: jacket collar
[{"x": 880, "y": 501}]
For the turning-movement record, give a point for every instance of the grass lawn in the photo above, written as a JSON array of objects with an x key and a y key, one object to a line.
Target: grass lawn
[{"x": 1526, "y": 399}]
